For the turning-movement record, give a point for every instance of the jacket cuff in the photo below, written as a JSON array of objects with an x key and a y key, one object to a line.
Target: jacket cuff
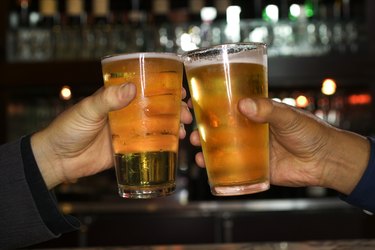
[{"x": 44, "y": 199}]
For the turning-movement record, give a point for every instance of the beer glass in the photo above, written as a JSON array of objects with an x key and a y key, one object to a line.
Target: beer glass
[
  {"x": 145, "y": 133},
  {"x": 235, "y": 149}
]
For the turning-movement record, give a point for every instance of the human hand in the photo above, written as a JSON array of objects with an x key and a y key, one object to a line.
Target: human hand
[
  {"x": 304, "y": 150},
  {"x": 77, "y": 143}
]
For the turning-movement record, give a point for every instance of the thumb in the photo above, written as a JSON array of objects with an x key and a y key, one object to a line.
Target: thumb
[
  {"x": 266, "y": 110},
  {"x": 111, "y": 98}
]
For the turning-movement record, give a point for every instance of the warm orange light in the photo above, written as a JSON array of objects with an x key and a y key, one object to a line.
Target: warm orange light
[
  {"x": 302, "y": 101},
  {"x": 65, "y": 93},
  {"x": 329, "y": 86},
  {"x": 359, "y": 99}
]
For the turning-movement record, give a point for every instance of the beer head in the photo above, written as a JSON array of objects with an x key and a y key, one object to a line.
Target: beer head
[
  {"x": 117, "y": 57},
  {"x": 232, "y": 53}
]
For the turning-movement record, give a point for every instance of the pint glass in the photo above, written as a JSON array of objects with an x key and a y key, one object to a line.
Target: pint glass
[
  {"x": 235, "y": 149},
  {"x": 145, "y": 133}
]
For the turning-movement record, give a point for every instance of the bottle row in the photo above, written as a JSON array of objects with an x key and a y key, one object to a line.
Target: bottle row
[
  {"x": 48, "y": 36},
  {"x": 186, "y": 10},
  {"x": 283, "y": 39}
]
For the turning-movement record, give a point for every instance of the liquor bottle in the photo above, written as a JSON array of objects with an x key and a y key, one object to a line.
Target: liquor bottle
[
  {"x": 208, "y": 15},
  {"x": 160, "y": 11},
  {"x": 147, "y": 23},
  {"x": 220, "y": 22},
  {"x": 179, "y": 13},
  {"x": 195, "y": 7},
  {"x": 24, "y": 13},
  {"x": 69, "y": 45},
  {"x": 163, "y": 30},
  {"x": 22, "y": 36},
  {"x": 183, "y": 31},
  {"x": 233, "y": 25},
  {"x": 338, "y": 28},
  {"x": 11, "y": 35},
  {"x": 101, "y": 29},
  {"x": 44, "y": 32},
  {"x": 75, "y": 13},
  {"x": 137, "y": 22},
  {"x": 352, "y": 29},
  {"x": 48, "y": 10},
  {"x": 119, "y": 11},
  {"x": 183, "y": 27},
  {"x": 221, "y": 8}
]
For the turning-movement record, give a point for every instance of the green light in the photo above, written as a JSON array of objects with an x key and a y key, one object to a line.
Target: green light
[
  {"x": 309, "y": 8},
  {"x": 265, "y": 17},
  {"x": 309, "y": 12}
]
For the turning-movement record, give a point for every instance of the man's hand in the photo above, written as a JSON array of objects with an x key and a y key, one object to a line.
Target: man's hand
[{"x": 77, "y": 143}]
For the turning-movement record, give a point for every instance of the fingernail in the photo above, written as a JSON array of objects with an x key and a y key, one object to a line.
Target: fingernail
[
  {"x": 248, "y": 106},
  {"x": 127, "y": 90},
  {"x": 182, "y": 131}
]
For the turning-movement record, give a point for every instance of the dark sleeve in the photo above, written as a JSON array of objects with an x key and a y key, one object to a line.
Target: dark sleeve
[
  {"x": 28, "y": 211},
  {"x": 363, "y": 195}
]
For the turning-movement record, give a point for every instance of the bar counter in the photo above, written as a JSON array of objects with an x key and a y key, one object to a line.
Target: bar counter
[
  {"x": 360, "y": 244},
  {"x": 168, "y": 204},
  {"x": 172, "y": 223}
]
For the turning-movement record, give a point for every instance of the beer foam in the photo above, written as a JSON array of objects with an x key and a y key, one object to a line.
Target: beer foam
[
  {"x": 207, "y": 62},
  {"x": 119, "y": 57},
  {"x": 203, "y": 57}
]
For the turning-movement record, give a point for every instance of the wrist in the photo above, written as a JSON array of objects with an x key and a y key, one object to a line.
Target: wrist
[
  {"x": 45, "y": 159},
  {"x": 347, "y": 159}
]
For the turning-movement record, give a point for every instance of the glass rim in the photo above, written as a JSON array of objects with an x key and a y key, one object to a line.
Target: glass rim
[
  {"x": 136, "y": 55},
  {"x": 219, "y": 46}
]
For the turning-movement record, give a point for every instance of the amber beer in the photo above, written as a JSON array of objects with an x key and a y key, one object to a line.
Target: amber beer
[
  {"x": 235, "y": 149},
  {"x": 145, "y": 133}
]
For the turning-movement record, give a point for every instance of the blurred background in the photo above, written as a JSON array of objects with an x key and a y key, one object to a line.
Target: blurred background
[{"x": 321, "y": 58}]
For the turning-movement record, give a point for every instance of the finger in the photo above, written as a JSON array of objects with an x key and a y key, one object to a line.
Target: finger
[
  {"x": 182, "y": 131},
  {"x": 186, "y": 116},
  {"x": 199, "y": 159},
  {"x": 194, "y": 138},
  {"x": 183, "y": 93},
  {"x": 110, "y": 98},
  {"x": 190, "y": 103}
]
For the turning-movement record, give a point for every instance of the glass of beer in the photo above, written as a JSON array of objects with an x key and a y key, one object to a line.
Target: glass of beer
[
  {"x": 145, "y": 134},
  {"x": 235, "y": 149}
]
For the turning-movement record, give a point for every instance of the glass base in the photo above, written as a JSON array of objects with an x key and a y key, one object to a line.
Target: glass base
[
  {"x": 240, "y": 189},
  {"x": 145, "y": 192}
]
